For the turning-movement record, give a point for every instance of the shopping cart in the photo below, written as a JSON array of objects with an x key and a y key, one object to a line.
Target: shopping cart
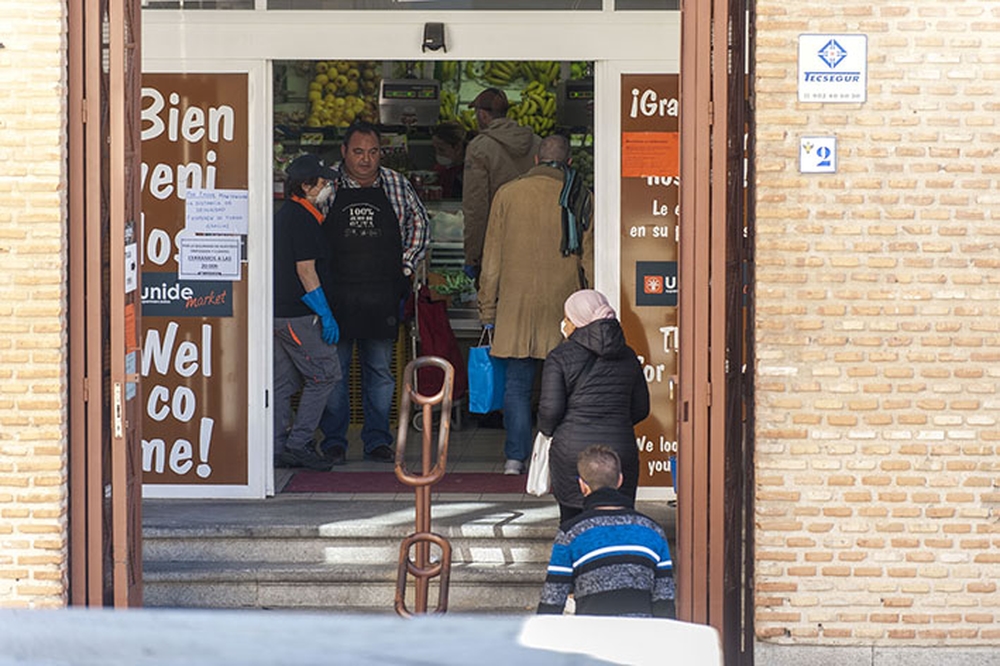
[{"x": 431, "y": 335}]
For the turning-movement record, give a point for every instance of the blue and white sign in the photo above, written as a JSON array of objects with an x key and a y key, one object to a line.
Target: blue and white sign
[
  {"x": 818, "y": 154},
  {"x": 833, "y": 68}
]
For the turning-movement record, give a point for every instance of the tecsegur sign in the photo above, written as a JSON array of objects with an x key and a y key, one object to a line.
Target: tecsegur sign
[{"x": 833, "y": 68}]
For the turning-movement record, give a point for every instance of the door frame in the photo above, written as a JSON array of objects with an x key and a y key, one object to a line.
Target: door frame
[
  {"x": 105, "y": 509},
  {"x": 221, "y": 41}
]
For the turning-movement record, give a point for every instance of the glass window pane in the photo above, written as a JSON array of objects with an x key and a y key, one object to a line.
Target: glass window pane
[
  {"x": 429, "y": 5},
  {"x": 197, "y": 4},
  {"x": 647, "y": 5}
]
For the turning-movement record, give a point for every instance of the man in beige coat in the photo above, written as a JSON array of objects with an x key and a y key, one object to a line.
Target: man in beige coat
[
  {"x": 528, "y": 272},
  {"x": 502, "y": 151}
]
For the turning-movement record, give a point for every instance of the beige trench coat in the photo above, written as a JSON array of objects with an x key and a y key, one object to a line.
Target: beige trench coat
[{"x": 525, "y": 279}]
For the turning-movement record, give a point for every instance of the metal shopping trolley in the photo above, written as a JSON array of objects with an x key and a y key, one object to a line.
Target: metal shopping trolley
[{"x": 431, "y": 334}]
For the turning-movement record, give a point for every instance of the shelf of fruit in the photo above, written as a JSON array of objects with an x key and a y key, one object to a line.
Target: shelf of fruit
[
  {"x": 342, "y": 91},
  {"x": 529, "y": 85}
]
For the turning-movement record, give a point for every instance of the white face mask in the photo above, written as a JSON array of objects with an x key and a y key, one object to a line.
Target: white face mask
[
  {"x": 562, "y": 328},
  {"x": 444, "y": 161},
  {"x": 324, "y": 194}
]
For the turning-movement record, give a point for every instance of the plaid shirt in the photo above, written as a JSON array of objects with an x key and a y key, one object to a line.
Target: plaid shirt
[{"x": 410, "y": 211}]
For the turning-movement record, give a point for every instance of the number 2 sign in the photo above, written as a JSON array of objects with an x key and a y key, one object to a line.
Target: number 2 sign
[{"x": 818, "y": 154}]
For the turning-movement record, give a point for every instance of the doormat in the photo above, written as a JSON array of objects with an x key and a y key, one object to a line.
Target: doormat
[{"x": 307, "y": 481}]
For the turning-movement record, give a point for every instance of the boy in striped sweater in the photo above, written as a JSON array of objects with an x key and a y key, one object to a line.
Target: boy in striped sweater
[{"x": 613, "y": 559}]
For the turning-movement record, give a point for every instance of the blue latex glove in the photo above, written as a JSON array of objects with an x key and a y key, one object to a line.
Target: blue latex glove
[
  {"x": 471, "y": 271},
  {"x": 316, "y": 300}
]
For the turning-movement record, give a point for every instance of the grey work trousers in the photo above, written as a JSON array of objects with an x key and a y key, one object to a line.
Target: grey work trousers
[{"x": 301, "y": 360}]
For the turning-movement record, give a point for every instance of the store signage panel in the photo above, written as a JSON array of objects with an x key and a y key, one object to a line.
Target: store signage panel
[
  {"x": 655, "y": 283},
  {"x": 650, "y": 197},
  {"x": 833, "y": 68},
  {"x": 194, "y": 338}
]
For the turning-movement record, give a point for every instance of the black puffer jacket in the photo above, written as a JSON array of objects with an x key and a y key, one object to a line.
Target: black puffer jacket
[{"x": 601, "y": 408}]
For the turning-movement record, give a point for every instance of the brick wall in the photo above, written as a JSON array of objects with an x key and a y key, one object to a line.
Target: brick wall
[
  {"x": 33, "y": 437},
  {"x": 878, "y": 332}
]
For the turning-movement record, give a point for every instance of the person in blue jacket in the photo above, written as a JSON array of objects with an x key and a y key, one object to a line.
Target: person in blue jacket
[{"x": 611, "y": 558}]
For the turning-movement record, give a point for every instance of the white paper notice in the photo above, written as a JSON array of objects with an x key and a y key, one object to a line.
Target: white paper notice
[
  {"x": 217, "y": 211},
  {"x": 131, "y": 267},
  {"x": 209, "y": 258}
]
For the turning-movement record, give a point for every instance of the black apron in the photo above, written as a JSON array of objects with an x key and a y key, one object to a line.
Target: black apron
[{"x": 366, "y": 263}]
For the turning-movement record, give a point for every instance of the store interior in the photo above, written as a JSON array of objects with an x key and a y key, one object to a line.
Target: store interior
[{"x": 422, "y": 110}]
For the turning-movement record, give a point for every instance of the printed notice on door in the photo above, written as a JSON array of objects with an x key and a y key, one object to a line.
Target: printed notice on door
[{"x": 649, "y": 154}]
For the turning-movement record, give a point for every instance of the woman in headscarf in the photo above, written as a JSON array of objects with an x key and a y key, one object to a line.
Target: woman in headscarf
[{"x": 593, "y": 392}]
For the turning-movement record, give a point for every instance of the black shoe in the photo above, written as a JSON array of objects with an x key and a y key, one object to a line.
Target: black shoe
[
  {"x": 308, "y": 459},
  {"x": 336, "y": 456},
  {"x": 382, "y": 453}
]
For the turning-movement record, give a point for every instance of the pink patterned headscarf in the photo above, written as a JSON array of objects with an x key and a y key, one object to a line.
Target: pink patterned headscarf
[{"x": 586, "y": 306}]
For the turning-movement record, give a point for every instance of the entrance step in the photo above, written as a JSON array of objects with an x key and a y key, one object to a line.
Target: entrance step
[
  {"x": 355, "y": 588},
  {"x": 470, "y": 544},
  {"x": 341, "y": 556}
]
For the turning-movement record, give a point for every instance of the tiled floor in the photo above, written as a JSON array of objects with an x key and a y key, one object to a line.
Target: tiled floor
[{"x": 471, "y": 448}]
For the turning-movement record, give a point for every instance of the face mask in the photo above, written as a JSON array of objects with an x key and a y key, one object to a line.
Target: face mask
[
  {"x": 562, "y": 328},
  {"x": 444, "y": 161},
  {"x": 324, "y": 194}
]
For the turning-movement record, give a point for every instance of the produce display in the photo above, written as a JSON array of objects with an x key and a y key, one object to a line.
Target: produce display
[
  {"x": 342, "y": 91},
  {"x": 537, "y": 109}
]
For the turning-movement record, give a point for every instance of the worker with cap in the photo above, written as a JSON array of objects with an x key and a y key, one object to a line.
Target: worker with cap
[
  {"x": 305, "y": 331},
  {"x": 502, "y": 151}
]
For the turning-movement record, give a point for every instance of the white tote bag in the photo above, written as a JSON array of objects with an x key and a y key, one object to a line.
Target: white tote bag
[{"x": 539, "y": 481}]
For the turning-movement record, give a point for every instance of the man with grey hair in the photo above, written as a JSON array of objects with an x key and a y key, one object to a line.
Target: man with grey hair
[{"x": 539, "y": 249}]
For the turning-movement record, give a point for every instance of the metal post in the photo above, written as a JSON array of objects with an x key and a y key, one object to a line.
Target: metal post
[{"x": 420, "y": 566}]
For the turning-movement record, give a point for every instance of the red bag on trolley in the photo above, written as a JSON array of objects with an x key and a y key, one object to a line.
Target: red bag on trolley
[{"x": 437, "y": 339}]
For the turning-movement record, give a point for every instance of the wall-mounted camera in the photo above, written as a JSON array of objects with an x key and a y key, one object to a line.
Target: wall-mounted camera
[{"x": 434, "y": 37}]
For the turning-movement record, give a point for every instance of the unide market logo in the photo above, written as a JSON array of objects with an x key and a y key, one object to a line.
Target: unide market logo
[{"x": 832, "y": 53}]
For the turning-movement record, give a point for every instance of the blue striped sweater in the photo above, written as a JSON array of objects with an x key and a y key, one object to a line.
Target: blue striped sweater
[{"x": 615, "y": 561}]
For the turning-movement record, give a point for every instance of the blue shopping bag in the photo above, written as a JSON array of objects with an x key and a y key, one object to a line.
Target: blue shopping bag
[{"x": 487, "y": 376}]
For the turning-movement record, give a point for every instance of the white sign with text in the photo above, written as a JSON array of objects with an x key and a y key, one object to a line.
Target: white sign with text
[
  {"x": 833, "y": 68},
  {"x": 217, "y": 211},
  {"x": 209, "y": 258}
]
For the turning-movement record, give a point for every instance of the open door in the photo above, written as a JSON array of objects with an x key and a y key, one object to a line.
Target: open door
[
  {"x": 716, "y": 521},
  {"x": 105, "y": 490}
]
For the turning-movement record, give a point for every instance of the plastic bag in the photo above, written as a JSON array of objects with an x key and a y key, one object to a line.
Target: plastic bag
[
  {"x": 539, "y": 480},
  {"x": 487, "y": 377}
]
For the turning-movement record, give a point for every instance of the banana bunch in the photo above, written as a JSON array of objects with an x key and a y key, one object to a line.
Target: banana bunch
[
  {"x": 579, "y": 70},
  {"x": 467, "y": 118},
  {"x": 474, "y": 69},
  {"x": 448, "y": 71},
  {"x": 537, "y": 109},
  {"x": 545, "y": 72},
  {"x": 449, "y": 106},
  {"x": 501, "y": 73}
]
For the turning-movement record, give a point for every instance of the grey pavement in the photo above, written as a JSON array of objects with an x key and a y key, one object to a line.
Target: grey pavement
[{"x": 85, "y": 637}]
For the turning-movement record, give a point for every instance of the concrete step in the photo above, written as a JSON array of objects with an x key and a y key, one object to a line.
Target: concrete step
[
  {"x": 470, "y": 544},
  {"x": 364, "y": 588}
]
